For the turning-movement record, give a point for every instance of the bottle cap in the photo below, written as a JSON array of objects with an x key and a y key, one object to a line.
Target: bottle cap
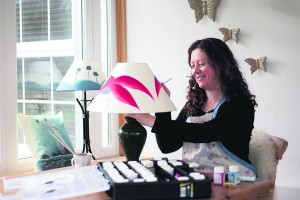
[
  {"x": 147, "y": 163},
  {"x": 234, "y": 168},
  {"x": 219, "y": 169}
]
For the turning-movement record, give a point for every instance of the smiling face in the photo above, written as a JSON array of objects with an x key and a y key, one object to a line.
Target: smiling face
[{"x": 202, "y": 71}]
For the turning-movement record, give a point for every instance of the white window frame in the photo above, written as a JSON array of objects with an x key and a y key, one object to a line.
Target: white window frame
[
  {"x": 93, "y": 51},
  {"x": 8, "y": 85}
]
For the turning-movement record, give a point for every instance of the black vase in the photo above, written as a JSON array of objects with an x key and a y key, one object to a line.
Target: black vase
[{"x": 132, "y": 137}]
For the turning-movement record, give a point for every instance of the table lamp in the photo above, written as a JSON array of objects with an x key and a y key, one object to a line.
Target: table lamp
[
  {"x": 83, "y": 75},
  {"x": 132, "y": 88}
]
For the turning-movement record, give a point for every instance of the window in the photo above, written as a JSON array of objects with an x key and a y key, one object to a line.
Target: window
[
  {"x": 50, "y": 34},
  {"x": 48, "y": 40}
]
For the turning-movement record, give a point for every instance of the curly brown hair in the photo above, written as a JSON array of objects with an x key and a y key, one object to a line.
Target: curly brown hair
[{"x": 223, "y": 62}]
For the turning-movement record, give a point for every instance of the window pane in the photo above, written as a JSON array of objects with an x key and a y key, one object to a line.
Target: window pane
[
  {"x": 20, "y": 78},
  {"x": 69, "y": 119},
  {"x": 18, "y": 20},
  {"x": 61, "y": 66},
  {"x": 37, "y": 78},
  {"x": 37, "y": 108},
  {"x": 60, "y": 19},
  {"x": 34, "y": 20},
  {"x": 21, "y": 139}
]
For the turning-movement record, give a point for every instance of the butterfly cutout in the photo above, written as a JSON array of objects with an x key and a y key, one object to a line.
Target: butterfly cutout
[
  {"x": 230, "y": 34},
  {"x": 203, "y": 7},
  {"x": 256, "y": 63}
]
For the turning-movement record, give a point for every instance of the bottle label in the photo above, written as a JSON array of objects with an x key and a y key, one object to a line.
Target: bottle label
[
  {"x": 219, "y": 178},
  {"x": 234, "y": 177}
]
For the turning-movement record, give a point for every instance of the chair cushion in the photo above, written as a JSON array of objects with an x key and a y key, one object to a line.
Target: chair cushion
[
  {"x": 262, "y": 154},
  {"x": 44, "y": 147}
]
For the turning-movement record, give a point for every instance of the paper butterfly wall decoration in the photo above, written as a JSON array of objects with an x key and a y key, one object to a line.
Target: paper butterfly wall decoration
[
  {"x": 230, "y": 34},
  {"x": 203, "y": 7},
  {"x": 256, "y": 63}
]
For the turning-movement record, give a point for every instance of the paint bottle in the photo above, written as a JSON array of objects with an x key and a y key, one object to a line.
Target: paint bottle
[
  {"x": 219, "y": 175},
  {"x": 234, "y": 174}
]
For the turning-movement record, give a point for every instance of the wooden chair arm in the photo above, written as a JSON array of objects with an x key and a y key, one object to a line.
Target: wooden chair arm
[
  {"x": 281, "y": 146},
  {"x": 251, "y": 191}
]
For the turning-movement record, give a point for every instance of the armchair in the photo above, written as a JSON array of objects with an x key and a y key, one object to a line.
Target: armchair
[{"x": 265, "y": 151}]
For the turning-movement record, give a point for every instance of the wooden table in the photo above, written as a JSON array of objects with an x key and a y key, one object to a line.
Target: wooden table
[{"x": 245, "y": 190}]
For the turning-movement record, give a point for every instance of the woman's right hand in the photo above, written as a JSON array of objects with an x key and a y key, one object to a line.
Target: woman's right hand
[{"x": 143, "y": 118}]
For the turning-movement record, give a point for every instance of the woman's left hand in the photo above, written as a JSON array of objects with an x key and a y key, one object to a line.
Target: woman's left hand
[{"x": 143, "y": 118}]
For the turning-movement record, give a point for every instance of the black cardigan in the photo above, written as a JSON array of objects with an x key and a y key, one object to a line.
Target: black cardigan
[{"x": 232, "y": 126}]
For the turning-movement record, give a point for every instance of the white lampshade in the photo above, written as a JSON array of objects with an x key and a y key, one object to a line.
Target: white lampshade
[
  {"x": 131, "y": 88},
  {"x": 82, "y": 75}
]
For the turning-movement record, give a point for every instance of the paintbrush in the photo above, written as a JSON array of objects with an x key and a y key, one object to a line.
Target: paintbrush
[
  {"x": 56, "y": 136},
  {"x": 167, "y": 80}
]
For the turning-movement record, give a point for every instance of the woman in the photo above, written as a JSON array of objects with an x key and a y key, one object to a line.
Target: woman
[{"x": 214, "y": 127}]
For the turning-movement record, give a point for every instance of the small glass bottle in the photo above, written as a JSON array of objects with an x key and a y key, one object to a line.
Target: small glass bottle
[
  {"x": 219, "y": 175},
  {"x": 234, "y": 174}
]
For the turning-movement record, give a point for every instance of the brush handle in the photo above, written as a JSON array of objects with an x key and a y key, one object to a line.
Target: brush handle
[{"x": 56, "y": 138}]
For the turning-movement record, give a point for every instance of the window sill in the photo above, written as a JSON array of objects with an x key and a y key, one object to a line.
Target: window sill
[{"x": 31, "y": 171}]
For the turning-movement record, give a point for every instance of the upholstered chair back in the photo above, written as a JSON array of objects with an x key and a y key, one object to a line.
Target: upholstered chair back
[{"x": 265, "y": 152}]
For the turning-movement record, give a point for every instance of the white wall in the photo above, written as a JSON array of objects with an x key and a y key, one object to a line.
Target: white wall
[{"x": 160, "y": 32}]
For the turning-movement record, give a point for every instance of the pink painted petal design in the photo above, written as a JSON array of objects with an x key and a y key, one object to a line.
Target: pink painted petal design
[
  {"x": 157, "y": 87},
  {"x": 131, "y": 82},
  {"x": 120, "y": 93}
]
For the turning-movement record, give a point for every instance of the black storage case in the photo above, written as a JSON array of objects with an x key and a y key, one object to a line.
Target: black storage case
[{"x": 167, "y": 187}]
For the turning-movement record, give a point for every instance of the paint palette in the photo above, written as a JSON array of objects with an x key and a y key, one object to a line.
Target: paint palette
[{"x": 154, "y": 179}]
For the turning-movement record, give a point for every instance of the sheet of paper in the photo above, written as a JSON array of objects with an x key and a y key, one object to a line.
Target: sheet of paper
[{"x": 57, "y": 184}]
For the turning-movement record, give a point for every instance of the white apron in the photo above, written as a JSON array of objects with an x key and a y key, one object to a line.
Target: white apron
[{"x": 209, "y": 155}]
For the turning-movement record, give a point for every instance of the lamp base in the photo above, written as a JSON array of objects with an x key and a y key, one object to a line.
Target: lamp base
[{"x": 132, "y": 137}]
